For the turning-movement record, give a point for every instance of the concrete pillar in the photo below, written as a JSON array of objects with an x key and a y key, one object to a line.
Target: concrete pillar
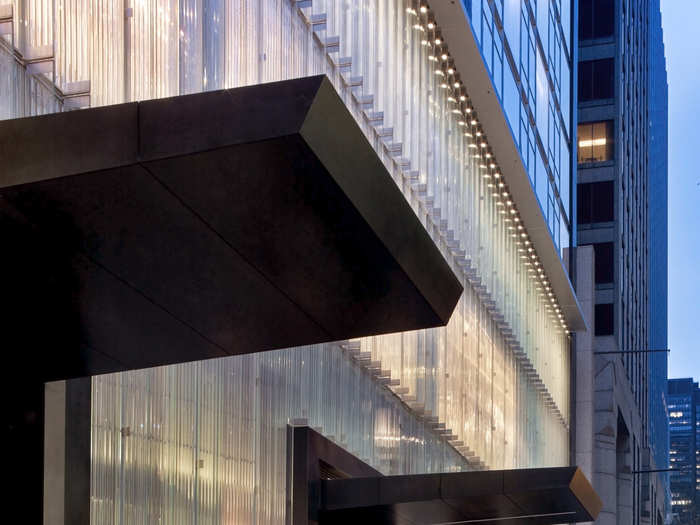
[
  {"x": 605, "y": 450},
  {"x": 625, "y": 510},
  {"x": 54, "y": 452},
  {"x": 605, "y": 479},
  {"x": 585, "y": 291},
  {"x": 67, "y": 452},
  {"x": 625, "y": 478}
]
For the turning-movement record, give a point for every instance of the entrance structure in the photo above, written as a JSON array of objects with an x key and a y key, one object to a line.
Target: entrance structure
[
  {"x": 326, "y": 484},
  {"x": 176, "y": 230},
  {"x": 401, "y": 220}
]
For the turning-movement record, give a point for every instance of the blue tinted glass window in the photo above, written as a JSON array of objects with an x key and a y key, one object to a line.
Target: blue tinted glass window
[
  {"x": 486, "y": 41},
  {"x": 511, "y": 101},
  {"x": 498, "y": 66},
  {"x": 511, "y": 25},
  {"x": 542, "y": 182},
  {"x": 565, "y": 181}
]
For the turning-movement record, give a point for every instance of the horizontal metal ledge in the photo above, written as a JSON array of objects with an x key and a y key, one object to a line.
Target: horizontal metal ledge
[
  {"x": 205, "y": 225},
  {"x": 535, "y": 496}
]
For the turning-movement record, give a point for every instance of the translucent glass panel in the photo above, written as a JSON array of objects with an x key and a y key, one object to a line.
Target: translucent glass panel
[
  {"x": 467, "y": 376},
  {"x": 69, "y": 46},
  {"x": 22, "y": 94},
  {"x": 34, "y": 24},
  {"x": 72, "y": 58},
  {"x": 497, "y": 376},
  {"x": 206, "y": 442}
]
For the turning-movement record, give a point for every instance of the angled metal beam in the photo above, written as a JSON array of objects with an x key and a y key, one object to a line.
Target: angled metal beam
[{"x": 632, "y": 351}]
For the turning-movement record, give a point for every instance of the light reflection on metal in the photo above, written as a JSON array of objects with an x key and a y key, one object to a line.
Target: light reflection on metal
[
  {"x": 509, "y": 518},
  {"x": 592, "y": 142}
]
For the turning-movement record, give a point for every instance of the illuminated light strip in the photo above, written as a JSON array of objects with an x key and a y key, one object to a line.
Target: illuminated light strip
[
  {"x": 593, "y": 142},
  {"x": 447, "y": 69},
  {"x": 449, "y": 74}
]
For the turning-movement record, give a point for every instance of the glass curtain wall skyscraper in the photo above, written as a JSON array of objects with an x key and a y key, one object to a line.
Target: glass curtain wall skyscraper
[
  {"x": 530, "y": 66},
  {"x": 658, "y": 240},
  {"x": 621, "y": 211},
  {"x": 684, "y": 431},
  {"x": 491, "y": 390}
]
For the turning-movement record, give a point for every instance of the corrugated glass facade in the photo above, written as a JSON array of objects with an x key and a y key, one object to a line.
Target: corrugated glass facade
[{"x": 205, "y": 442}]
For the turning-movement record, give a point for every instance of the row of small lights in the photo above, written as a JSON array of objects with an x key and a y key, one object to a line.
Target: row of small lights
[{"x": 424, "y": 22}]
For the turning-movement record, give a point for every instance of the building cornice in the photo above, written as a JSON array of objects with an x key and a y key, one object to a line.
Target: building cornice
[{"x": 456, "y": 29}]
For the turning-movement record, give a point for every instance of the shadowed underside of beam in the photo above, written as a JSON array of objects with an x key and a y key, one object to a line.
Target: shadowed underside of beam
[{"x": 202, "y": 226}]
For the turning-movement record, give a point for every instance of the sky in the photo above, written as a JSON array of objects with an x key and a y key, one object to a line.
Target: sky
[{"x": 682, "y": 41}]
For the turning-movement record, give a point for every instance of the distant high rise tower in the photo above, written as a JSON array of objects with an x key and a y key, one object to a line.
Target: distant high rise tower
[
  {"x": 684, "y": 416},
  {"x": 658, "y": 242},
  {"x": 621, "y": 211}
]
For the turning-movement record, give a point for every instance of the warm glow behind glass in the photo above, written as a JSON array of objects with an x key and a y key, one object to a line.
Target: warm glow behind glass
[{"x": 208, "y": 439}]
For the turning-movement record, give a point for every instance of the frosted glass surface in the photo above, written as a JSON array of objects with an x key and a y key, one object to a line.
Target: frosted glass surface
[
  {"x": 22, "y": 94},
  {"x": 208, "y": 439},
  {"x": 205, "y": 441}
]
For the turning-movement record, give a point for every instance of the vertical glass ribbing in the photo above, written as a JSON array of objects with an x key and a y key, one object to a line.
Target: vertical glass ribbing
[
  {"x": 72, "y": 61},
  {"x": 21, "y": 93},
  {"x": 496, "y": 377},
  {"x": 208, "y": 439},
  {"x": 33, "y": 30}
]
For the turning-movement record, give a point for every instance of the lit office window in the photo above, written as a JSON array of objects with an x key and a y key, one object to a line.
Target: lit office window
[{"x": 595, "y": 142}]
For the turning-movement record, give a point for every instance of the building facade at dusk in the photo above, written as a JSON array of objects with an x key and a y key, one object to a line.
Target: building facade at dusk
[
  {"x": 658, "y": 254},
  {"x": 684, "y": 431},
  {"x": 470, "y": 108},
  {"x": 622, "y": 213}
]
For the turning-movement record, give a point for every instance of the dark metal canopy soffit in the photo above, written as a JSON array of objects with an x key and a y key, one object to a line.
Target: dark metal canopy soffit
[{"x": 203, "y": 226}]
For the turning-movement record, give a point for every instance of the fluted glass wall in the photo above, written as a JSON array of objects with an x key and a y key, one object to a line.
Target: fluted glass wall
[
  {"x": 489, "y": 390},
  {"x": 21, "y": 93},
  {"x": 206, "y": 442}
]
